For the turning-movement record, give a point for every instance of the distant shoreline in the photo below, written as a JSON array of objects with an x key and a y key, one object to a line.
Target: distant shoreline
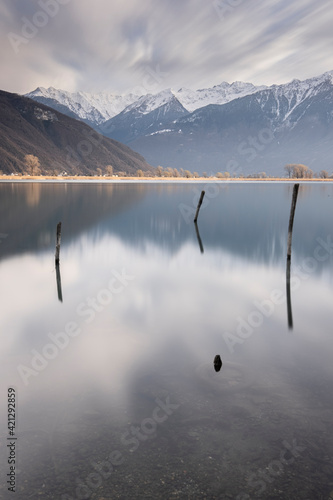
[{"x": 80, "y": 178}]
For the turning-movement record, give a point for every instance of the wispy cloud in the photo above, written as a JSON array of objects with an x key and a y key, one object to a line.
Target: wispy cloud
[{"x": 107, "y": 45}]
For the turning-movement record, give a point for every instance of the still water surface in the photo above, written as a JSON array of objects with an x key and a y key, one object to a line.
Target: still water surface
[{"x": 116, "y": 392}]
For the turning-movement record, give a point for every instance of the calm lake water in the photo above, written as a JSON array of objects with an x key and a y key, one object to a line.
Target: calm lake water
[{"x": 116, "y": 392}]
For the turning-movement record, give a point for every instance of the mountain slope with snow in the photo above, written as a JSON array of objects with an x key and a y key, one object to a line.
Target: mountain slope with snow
[
  {"x": 220, "y": 94},
  {"x": 146, "y": 116},
  {"x": 91, "y": 108},
  {"x": 281, "y": 102},
  {"x": 96, "y": 109},
  {"x": 263, "y": 131},
  {"x": 208, "y": 128}
]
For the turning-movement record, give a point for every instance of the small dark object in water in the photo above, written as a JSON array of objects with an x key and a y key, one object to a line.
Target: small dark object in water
[{"x": 217, "y": 363}]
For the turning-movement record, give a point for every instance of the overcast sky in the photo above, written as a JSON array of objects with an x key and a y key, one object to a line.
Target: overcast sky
[{"x": 149, "y": 45}]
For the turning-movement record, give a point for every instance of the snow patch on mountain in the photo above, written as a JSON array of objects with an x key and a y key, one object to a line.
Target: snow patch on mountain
[
  {"x": 164, "y": 131},
  {"x": 41, "y": 114}
]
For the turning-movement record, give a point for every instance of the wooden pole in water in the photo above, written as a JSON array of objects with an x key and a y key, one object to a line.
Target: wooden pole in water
[
  {"x": 199, "y": 205},
  {"x": 291, "y": 218},
  {"x": 58, "y": 243},
  {"x": 290, "y": 236}
]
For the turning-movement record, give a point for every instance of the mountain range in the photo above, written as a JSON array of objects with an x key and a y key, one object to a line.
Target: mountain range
[
  {"x": 238, "y": 127},
  {"x": 60, "y": 142},
  {"x": 96, "y": 109}
]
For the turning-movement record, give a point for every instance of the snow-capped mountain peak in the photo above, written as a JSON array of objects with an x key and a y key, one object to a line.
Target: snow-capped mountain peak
[
  {"x": 219, "y": 94},
  {"x": 148, "y": 103},
  {"x": 100, "y": 107},
  {"x": 96, "y": 108},
  {"x": 291, "y": 95},
  {"x": 286, "y": 123}
]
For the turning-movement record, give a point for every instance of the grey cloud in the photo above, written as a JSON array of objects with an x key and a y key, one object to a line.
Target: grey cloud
[{"x": 109, "y": 45}]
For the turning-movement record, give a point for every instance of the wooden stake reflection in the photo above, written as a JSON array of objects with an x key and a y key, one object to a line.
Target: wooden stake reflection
[
  {"x": 289, "y": 309},
  {"x": 57, "y": 253},
  {"x": 199, "y": 239},
  {"x": 290, "y": 236},
  {"x": 58, "y": 281}
]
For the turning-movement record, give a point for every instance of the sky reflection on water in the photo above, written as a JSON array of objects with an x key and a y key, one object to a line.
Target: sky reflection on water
[{"x": 159, "y": 335}]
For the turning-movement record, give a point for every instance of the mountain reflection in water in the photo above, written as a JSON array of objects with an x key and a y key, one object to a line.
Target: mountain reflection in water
[{"x": 125, "y": 363}]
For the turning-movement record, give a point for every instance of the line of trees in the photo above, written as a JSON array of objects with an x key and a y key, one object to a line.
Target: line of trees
[
  {"x": 174, "y": 172},
  {"x": 293, "y": 170},
  {"x": 300, "y": 171}
]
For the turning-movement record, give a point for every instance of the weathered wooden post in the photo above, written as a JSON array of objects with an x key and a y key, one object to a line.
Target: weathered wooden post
[
  {"x": 291, "y": 219},
  {"x": 290, "y": 236},
  {"x": 199, "y": 205},
  {"x": 58, "y": 243}
]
